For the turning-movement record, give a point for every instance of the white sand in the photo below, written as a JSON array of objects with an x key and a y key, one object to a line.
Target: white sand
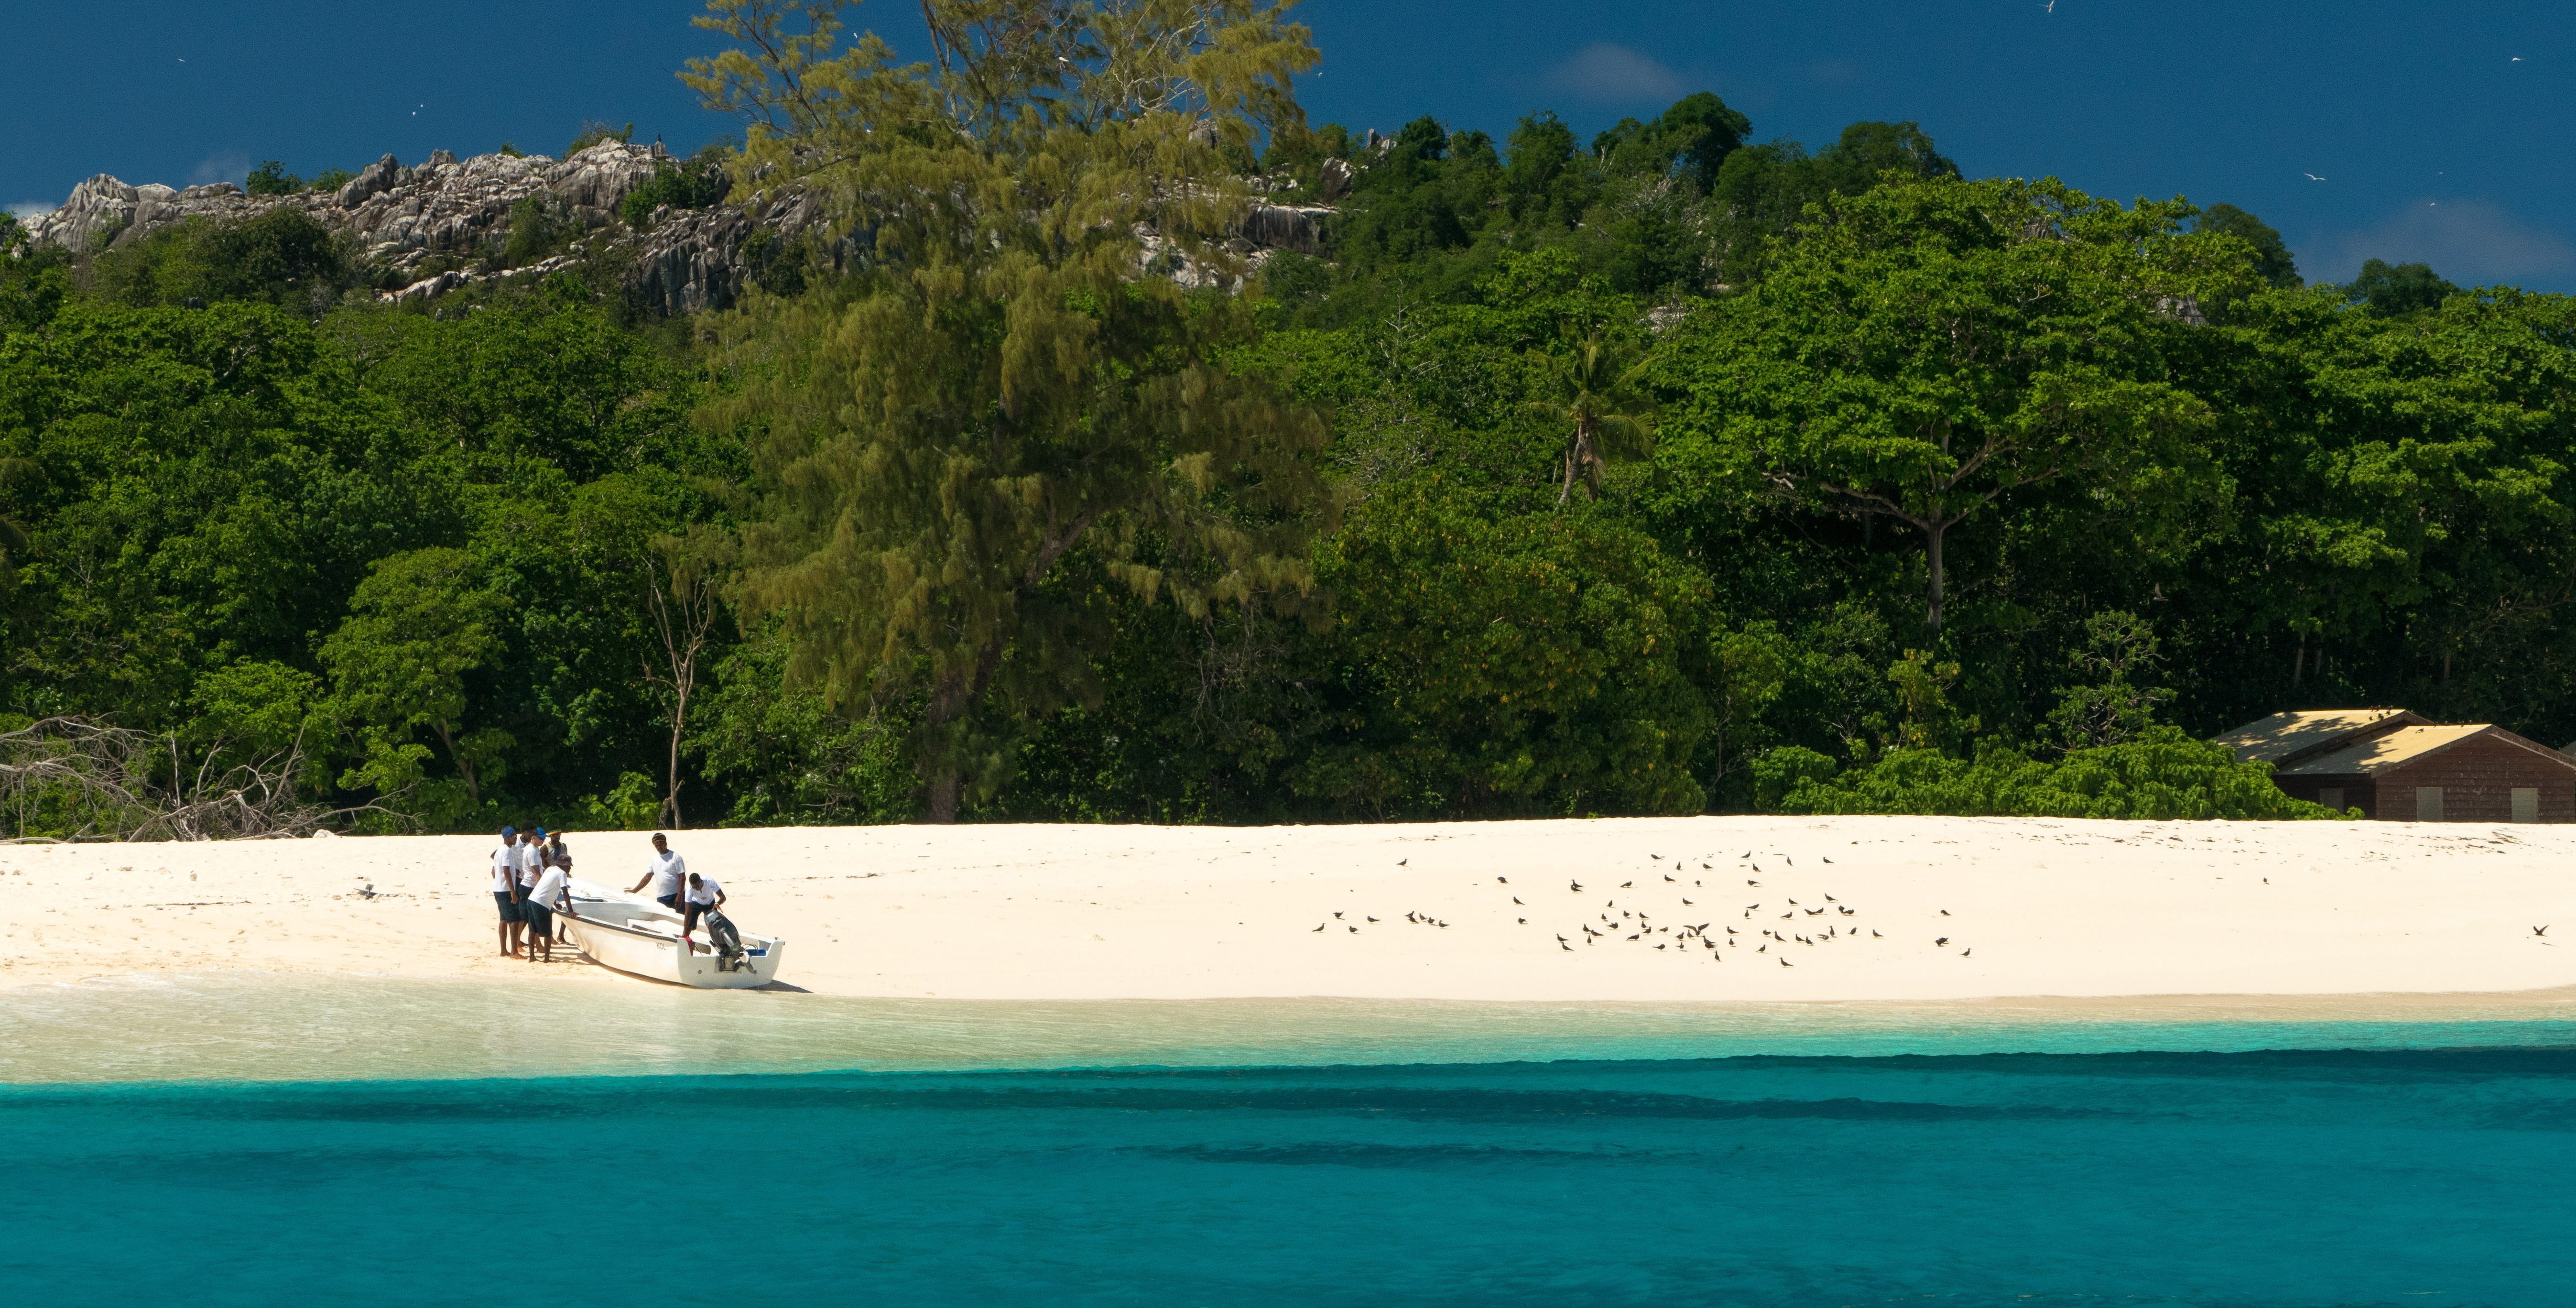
[{"x": 2034, "y": 908}]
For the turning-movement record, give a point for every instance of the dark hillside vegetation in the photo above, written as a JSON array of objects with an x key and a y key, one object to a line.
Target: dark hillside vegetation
[{"x": 1664, "y": 470}]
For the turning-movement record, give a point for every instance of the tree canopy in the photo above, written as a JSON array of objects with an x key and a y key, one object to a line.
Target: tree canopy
[{"x": 1122, "y": 446}]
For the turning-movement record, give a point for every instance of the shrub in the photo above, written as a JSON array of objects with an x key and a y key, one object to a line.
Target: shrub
[
  {"x": 535, "y": 233},
  {"x": 2162, "y": 775},
  {"x": 692, "y": 186},
  {"x": 271, "y": 178},
  {"x": 593, "y": 131}
]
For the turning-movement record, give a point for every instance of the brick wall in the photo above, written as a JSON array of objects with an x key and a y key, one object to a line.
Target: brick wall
[{"x": 2477, "y": 777}]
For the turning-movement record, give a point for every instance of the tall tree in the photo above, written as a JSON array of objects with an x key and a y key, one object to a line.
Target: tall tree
[
  {"x": 418, "y": 624},
  {"x": 1591, "y": 392},
  {"x": 684, "y": 579},
  {"x": 2272, "y": 261},
  {"x": 1924, "y": 349},
  {"x": 2394, "y": 290},
  {"x": 1024, "y": 381}
]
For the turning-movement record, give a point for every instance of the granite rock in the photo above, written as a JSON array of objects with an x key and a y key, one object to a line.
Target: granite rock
[{"x": 398, "y": 218}]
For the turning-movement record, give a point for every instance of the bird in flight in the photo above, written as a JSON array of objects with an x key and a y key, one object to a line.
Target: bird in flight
[
  {"x": 2540, "y": 931},
  {"x": 2313, "y": 177}
]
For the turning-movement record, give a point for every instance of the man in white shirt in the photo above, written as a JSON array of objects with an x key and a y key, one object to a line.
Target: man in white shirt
[
  {"x": 666, "y": 871},
  {"x": 544, "y": 901},
  {"x": 505, "y": 889},
  {"x": 703, "y": 896},
  {"x": 525, "y": 865},
  {"x": 532, "y": 860}
]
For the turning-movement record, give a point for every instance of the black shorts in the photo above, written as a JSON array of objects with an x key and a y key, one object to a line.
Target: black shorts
[
  {"x": 541, "y": 921},
  {"x": 511, "y": 909},
  {"x": 689, "y": 917},
  {"x": 670, "y": 901}
]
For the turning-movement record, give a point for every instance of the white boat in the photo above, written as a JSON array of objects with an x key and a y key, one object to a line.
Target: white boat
[{"x": 642, "y": 938}]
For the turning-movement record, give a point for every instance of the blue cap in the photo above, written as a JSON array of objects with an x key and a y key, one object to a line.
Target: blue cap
[
  {"x": 509, "y": 831},
  {"x": 539, "y": 830}
]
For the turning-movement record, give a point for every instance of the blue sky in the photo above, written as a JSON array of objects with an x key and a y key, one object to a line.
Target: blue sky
[{"x": 2437, "y": 128}]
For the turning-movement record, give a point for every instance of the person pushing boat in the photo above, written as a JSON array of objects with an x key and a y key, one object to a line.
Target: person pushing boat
[
  {"x": 667, "y": 871},
  {"x": 544, "y": 901}
]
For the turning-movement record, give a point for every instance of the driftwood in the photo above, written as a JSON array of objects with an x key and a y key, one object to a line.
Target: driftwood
[{"x": 70, "y": 779}]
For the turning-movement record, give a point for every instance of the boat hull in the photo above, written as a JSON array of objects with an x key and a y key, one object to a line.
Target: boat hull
[{"x": 641, "y": 938}]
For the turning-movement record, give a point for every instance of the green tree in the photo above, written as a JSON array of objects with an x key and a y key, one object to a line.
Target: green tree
[
  {"x": 1544, "y": 181},
  {"x": 1762, "y": 192},
  {"x": 418, "y": 624},
  {"x": 2272, "y": 261},
  {"x": 1591, "y": 394},
  {"x": 282, "y": 257},
  {"x": 2160, "y": 777},
  {"x": 32, "y": 279},
  {"x": 593, "y": 131},
  {"x": 1928, "y": 348},
  {"x": 2117, "y": 702},
  {"x": 1691, "y": 139},
  {"x": 13, "y": 533},
  {"x": 2392, "y": 291},
  {"x": 1004, "y": 388},
  {"x": 271, "y": 178},
  {"x": 1483, "y": 667}
]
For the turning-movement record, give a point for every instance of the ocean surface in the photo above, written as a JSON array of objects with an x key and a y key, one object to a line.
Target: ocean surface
[{"x": 230, "y": 1141}]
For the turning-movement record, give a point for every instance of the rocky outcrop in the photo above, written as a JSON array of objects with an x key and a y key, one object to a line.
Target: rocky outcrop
[
  {"x": 1298, "y": 227},
  {"x": 396, "y": 215},
  {"x": 399, "y": 218}
]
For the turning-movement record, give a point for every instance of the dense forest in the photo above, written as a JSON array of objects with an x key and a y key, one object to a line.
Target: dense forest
[{"x": 1667, "y": 471}]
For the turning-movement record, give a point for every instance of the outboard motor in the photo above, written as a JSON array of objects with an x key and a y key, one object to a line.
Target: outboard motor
[{"x": 728, "y": 942}]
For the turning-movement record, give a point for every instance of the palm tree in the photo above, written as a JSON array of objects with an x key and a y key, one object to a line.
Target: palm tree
[{"x": 1593, "y": 391}]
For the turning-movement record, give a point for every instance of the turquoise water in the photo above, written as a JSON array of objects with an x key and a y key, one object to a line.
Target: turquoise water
[{"x": 2379, "y": 1163}]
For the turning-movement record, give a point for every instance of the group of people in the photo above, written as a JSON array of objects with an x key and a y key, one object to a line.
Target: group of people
[{"x": 531, "y": 871}]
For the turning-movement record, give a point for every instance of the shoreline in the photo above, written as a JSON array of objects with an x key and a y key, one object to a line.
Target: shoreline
[{"x": 264, "y": 1028}]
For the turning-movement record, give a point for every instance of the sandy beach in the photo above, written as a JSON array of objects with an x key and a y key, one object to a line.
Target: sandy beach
[{"x": 1901, "y": 909}]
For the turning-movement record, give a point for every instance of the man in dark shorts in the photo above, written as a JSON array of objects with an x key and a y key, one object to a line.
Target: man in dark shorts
[
  {"x": 704, "y": 896},
  {"x": 505, "y": 889},
  {"x": 667, "y": 871},
  {"x": 543, "y": 901}
]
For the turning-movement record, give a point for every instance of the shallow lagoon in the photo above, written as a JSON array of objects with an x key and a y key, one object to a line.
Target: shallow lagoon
[{"x": 1558, "y": 1154}]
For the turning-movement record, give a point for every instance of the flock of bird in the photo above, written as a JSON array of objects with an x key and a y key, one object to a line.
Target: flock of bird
[{"x": 1658, "y": 914}]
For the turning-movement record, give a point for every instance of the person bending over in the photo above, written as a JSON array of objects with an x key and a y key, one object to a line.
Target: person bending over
[
  {"x": 704, "y": 897},
  {"x": 666, "y": 871},
  {"x": 543, "y": 903}
]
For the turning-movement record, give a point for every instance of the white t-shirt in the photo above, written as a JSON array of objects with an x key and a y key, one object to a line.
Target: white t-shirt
[
  {"x": 532, "y": 863},
  {"x": 505, "y": 864},
  {"x": 550, "y": 888},
  {"x": 670, "y": 872},
  {"x": 705, "y": 891}
]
